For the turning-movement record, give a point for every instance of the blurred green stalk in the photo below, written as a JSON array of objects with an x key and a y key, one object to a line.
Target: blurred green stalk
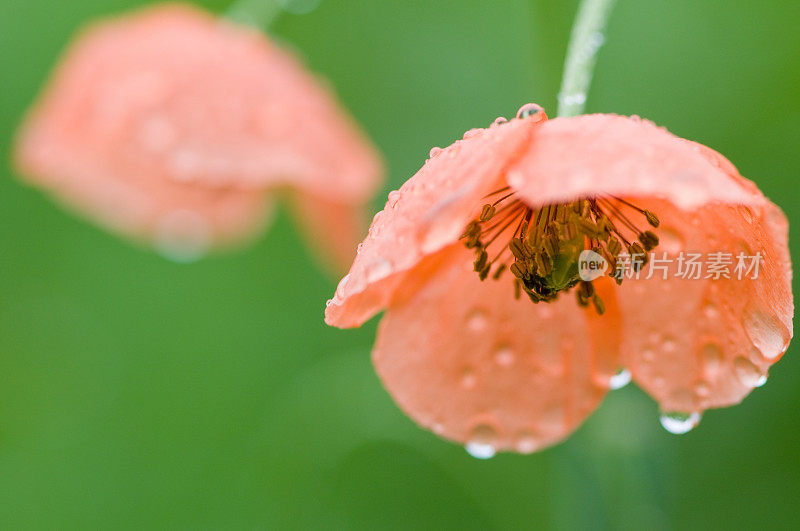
[
  {"x": 586, "y": 39},
  {"x": 256, "y": 13}
]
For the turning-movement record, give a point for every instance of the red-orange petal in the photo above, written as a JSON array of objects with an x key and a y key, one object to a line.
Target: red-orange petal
[
  {"x": 607, "y": 154},
  {"x": 695, "y": 344},
  {"x": 466, "y": 360},
  {"x": 428, "y": 213}
]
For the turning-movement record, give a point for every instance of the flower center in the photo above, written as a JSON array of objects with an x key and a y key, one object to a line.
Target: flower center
[{"x": 543, "y": 247}]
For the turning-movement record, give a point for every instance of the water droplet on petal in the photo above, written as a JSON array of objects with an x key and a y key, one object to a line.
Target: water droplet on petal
[
  {"x": 766, "y": 333},
  {"x": 393, "y": 198},
  {"x": 669, "y": 344},
  {"x": 183, "y": 236},
  {"x": 472, "y": 132},
  {"x": 481, "y": 442},
  {"x": 341, "y": 288},
  {"x": 477, "y": 320},
  {"x": 435, "y": 152},
  {"x": 504, "y": 356},
  {"x": 529, "y": 109},
  {"x": 748, "y": 373},
  {"x": 498, "y": 121},
  {"x": 710, "y": 311},
  {"x": 377, "y": 270},
  {"x": 480, "y": 451},
  {"x": 526, "y": 443},
  {"x": 468, "y": 379},
  {"x": 712, "y": 358},
  {"x": 679, "y": 423},
  {"x": 620, "y": 380}
]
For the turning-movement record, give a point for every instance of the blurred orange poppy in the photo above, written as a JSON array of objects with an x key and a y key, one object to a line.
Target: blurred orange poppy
[{"x": 176, "y": 127}]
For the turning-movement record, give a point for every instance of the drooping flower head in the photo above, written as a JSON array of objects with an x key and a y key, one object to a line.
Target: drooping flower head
[
  {"x": 498, "y": 332},
  {"x": 176, "y": 127}
]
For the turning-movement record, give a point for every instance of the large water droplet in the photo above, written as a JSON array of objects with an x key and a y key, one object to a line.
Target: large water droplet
[
  {"x": 620, "y": 380},
  {"x": 748, "y": 373},
  {"x": 679, "y": 423},
  {"x": 766, "y": 333},
  {"x": 481, "y": 442},
  {"x": 480, "y": 451},
  {"x": 183, "y": 236}
]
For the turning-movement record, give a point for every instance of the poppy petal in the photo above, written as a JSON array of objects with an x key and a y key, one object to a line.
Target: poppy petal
[
  {"x": 699, "y": 343},
  {"x": 606, "y": 154},
  {"x": 486, "y": 368},
  {"x": 428, "y": 213}
]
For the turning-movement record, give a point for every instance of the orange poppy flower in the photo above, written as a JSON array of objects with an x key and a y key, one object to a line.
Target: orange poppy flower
[
  {"x": 175, "y": 127},
  {"x": 494, "y": 336}
]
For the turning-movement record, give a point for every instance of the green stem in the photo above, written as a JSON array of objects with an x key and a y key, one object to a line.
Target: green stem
[
  {"x": 584, "y": 42},
  {"x": 256, "y": 13}
]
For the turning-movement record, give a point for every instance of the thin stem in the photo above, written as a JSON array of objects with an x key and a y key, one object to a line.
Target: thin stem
[
  {"x": 257, "y": 13},
  {"x": 584, "y": 42}
]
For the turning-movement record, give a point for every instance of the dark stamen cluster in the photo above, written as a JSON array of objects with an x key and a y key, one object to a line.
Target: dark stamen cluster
[{"x": 542, "y": 245}]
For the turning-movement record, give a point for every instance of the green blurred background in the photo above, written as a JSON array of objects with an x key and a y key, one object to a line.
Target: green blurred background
[{"x": 140, "y": 393}]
